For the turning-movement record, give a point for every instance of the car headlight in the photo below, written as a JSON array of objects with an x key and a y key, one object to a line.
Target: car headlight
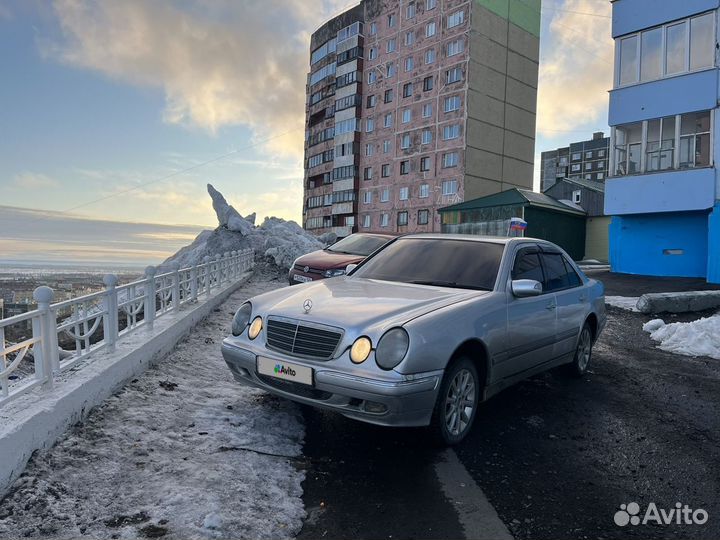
[
  {"x": 392, "y": 348},
  {"x": 360, "y": 350},
  {"x": 255, "y": 328},
  {"x": 241, "y": 319},
  {"x": 333, "y": 272}
]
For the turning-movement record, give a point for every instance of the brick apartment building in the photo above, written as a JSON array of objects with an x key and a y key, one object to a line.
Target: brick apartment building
[{"x": 415, "y": 105}]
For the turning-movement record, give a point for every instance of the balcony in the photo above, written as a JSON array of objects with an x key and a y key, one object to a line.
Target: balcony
[{"x": 342, "y": 208}]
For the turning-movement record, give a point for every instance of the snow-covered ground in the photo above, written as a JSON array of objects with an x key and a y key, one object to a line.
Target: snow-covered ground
[
  {"x": 695, "y": 338},
  {"x": 181, "y": 452},
  {"x": 623, "y": 302}
]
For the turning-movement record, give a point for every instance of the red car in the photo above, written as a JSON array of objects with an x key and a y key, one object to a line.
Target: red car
[{"x": 332, "y": 261}]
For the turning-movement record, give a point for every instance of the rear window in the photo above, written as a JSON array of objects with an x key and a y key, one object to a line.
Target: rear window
[{"x": 466, "y": 264}]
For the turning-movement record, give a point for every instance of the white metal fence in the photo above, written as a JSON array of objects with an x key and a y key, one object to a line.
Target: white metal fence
[{"x": 68, "y": 332}]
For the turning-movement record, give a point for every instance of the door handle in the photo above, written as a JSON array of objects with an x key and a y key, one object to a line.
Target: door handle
[
  {"x": 582, "y": 298},
  {"x": 551, "y": 306}
]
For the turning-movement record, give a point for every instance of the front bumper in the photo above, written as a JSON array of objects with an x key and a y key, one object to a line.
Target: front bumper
[
  {"x": 406, "y": 401},
  {"x": 313, "y": 276}
]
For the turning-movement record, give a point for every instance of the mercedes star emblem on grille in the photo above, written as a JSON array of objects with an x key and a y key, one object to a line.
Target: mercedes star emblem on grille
[{"x": 307, "y": 305}]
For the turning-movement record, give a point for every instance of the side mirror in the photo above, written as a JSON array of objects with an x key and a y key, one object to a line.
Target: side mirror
[
  {"x": 523, "y": 288},
  {"x": 350, "y": 267}
]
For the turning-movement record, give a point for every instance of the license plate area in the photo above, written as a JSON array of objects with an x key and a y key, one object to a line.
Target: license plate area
[
  {"x": 286, "y": 371},
  {"x": 301, "y": 279}
]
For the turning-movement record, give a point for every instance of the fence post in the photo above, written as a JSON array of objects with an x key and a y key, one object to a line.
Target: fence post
[
  {"x": 48, "y": 326},
  {"x": 110, "y": 319},
  {"x": 193, "y": 283},
  {"x": 227, "y": 271},
  {"x": 150, "y": 295},
  {"x": 219, "y": 269},
  {"x": 233, "y": 265},
  {"x": 175, "y": 269},
  {"x": 208, "y": 274}
]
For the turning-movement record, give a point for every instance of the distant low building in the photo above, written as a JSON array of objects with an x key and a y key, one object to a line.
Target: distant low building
[{"x": 585, "y": 159}]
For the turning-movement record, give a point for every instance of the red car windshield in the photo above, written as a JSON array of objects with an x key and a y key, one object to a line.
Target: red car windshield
[{"x": 358, "y": 244}]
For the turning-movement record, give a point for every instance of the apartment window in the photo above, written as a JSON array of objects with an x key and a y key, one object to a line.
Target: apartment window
[
  {"x": 576, "y": 156},
  {"x": 372, "y": 54},
  {"x": 385, "y": 195},
  {"x": 588, "y": 155},
  {"x": 455, "y": 47},
  {"x": 430, "y": 56},
  {"x": 409, "y": 63},
  {"x": 660, "y": 145},
  {"x": 366, "y": 221},
  {"x": 384, "y": 220},
  {"x": 430, "y": 4},
  {"x": 386, "y": 146},
  {"x": 427, "y": 110},
  {"x": 576, "y": 195},
  {"x": 372, "y": 77},
  {"x": 369, "y": 125},
  {"x": 450, "y": 159},
  {"x": 388, "y": 120},
  {"x": 367, "y": 197},
  {"x": 575, "y": 167},
  {"x": 402, "y": 219},
  {"x": 410, "y": 11},
  {"x": 391, "y": 20},
  {"x": 373, "y": 28},
  {"x": 391, "y": 68},
  {"x": 328, "y": 199},
  {"x": 426, "y": 136},
  {"x": 600, "y": 176},
  {"x": 430, "y": 29},
  {"x": 452, "y": 103},
  {"x": 406, "y": 116},
  {"x": 694, "y": 144},
  {"x": 427, "y": 83},
  {"x": 449, "y": 187},
  {"x": 453, "y": 75},
  {"x": 388, "y": 95},
  {"x": 385, "y": 170},
  {"x": 451, "y": 132},
  {"x": 628, "y": 147},
  {"x": 367, "y": 174},
  {"x": 677, "y": 47},
  {"x": 423, "y": 217},
  {"x": 390, "y": 45},
  {"x": 404, "y": 193},
  {"x": 455, "y": 19},
  {"x": 425, "y": 164},
  {"x": 405, "y": 141},
  {"x": 371, "y": 101},
  {"x": 404, "y": 167},
  {"x": 588, "y": 166},
  {"x": 601, "y": 153},
  {"x": 424, "y": 191},
  {"x": 407, "y": 90},
  {"x": 409, "y": 38}
]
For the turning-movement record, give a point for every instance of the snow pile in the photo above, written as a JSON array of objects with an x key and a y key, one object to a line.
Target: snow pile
[
  {"x": 623, "y": 302},
  {"x": 696, "y": 338},
  {"x": 280, "y": 240}
]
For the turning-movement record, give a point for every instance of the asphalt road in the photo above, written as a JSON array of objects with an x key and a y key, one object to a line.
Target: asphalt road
[{"x": 555, "y": 456}]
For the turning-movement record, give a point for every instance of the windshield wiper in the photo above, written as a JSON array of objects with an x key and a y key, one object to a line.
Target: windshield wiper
[{"x": 449, "y": 284}]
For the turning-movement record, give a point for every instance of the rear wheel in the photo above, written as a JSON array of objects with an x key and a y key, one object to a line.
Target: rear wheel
[
  {"x": 583, "y": 352},
  {"x": 456, "y": 403}
]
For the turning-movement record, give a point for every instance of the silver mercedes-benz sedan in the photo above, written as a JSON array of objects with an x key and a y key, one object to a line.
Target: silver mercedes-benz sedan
[{"x": 422, "y": 331}]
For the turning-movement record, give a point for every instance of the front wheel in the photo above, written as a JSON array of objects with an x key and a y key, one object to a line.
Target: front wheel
[
  {"x": 583, "y": 352},
  {"x": 457, "y": 402}
]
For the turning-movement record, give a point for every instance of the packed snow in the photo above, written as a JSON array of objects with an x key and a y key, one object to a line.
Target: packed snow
[
  {"x": 277, "y": 239},
  {"x": 183, "y": 451},
  {"x": 696, "y": 338},
  {"x": 623, "y": 302}
]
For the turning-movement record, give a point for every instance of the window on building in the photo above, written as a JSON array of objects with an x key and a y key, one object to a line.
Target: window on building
[
  {"x": 660, "y": 145},
  {"x": 406, "y": 115},
  {"x": 404, "y": 194},
  {"x": 424, "y": 191},
  {"x": 425, "y": 164},
  {"x": 600, "y": 176},
  {"x": 588, "y": 177},
  {"x": 386, "y": 146},
  {"x": 451, "y": 132},
  {"x": 455, "y": 47},
  {"x": 366, "y": 221},
  {"x": 455, "y": 19},
  {"x": 410, "y": 11},
  {"x": 676, "y": 48},
  {"x": 384, "y": 220},
  {"x": 371, "y": 101},
  {"x": 426, "y": 136},
  {"x": 450, "y": 159},
  {"x": 449, "y": 187},
  {"x": 407, "y": 90},
  {"x": 430, "y": 56},
  {"x": 588, "y": 166},
  {"x": 367, "y": 197},
  {"x": 388, "y": 95},
  {"x": 409, "y": 38},
  {"x": 405, "y": 141},
  {"x": 390, "y": 45},
  {"x": 453, "y": 75},
  {"x": 694, "y": 145},
  {"x": 385, "y": 195},
  {"x": 385, "y": 170},
  {"x": 702, "y": 37},
  {"x": 367, "y": 174},
  {"x": 391, "y": 68},
  {"x": 430, "y": 4},
  {"x": 373, "y": 28},
  {"x": 391, "y": 20},
  {"x": 601, "y": 153},
  {"x": 575, "y": 167},
  {"x": 588, "y": 155},
  {"x": 388, "y": 120},
  {"x": 427, "y": 110},
  {"x": 452, "y": 103},
  {"x": 409, "y": 63},
  {"x": 369, "y": 149},
  {"x": 372, "y": 77},
  {"x": 628, "y": 60},
  {"x": 369, "y": 125},
  {"x": 628, "y": 147},
  {"x": 423, "y": 217},
  {"x": 576, "y": 196},
  {"x": 430, "y": 29},
  {"x": 405, "y": 167},
  {"x": 576, "y": 156},
  {"x": 402, "y": 218},
  {"x": 651, "y": 54},
  {"x": 372, "y": 54}
]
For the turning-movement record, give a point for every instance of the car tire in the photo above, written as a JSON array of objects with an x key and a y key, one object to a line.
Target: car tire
[
  {"x": 450, "y": 422},
  {"x": 583, "y": 352}
]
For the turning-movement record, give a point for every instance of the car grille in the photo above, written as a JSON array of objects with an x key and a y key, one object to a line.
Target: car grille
[
  {"x": 301, "y": 268},
  {"x": 300, "y": 339}
]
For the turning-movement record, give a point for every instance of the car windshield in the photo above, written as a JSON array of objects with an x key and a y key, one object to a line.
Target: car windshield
[
  {"x": 464, "y": 264},
  {"x": 358, "y": 244}
]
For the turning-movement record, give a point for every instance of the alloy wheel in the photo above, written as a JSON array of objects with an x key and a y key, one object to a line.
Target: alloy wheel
[{"x": 460, "y": 402}]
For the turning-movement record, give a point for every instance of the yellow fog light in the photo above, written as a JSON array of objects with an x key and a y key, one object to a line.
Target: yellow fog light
[
  {"x": 255, "y": 328},
  {"x": 360, "y": 350}
]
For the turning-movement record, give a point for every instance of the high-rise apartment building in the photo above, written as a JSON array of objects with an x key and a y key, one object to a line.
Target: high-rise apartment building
[
  {"x": 584, "y": 159},
  {"x": 414, "y": 105}
]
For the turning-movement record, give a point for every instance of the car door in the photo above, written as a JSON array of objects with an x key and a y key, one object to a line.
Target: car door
[
  {"x": 530, "y": 321},
  {"x": 571, "y": 297}
]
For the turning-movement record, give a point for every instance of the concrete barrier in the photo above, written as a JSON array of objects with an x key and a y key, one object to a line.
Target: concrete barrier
[
  {"x": 679, "y": 302},
  {"x": 37, "y": 419}
]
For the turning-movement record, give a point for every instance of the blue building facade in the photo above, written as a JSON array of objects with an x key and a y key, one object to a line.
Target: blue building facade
[{"x": 664, "y": 186}]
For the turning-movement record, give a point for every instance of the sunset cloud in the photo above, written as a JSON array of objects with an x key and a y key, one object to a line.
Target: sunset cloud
[{"x": 30, "y": 180}]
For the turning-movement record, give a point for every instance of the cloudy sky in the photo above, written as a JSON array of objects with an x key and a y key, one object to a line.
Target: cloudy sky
[{"x": 105, "y": 101}]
